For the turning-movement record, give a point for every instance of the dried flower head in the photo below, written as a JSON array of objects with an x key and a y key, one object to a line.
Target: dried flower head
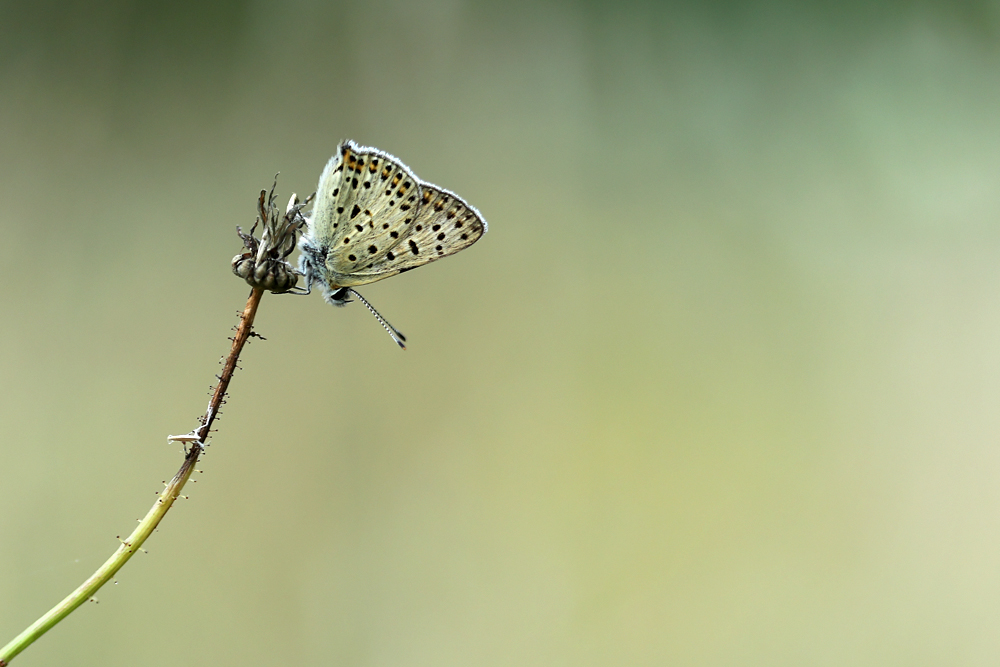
[{"x": 263, "y": 265}]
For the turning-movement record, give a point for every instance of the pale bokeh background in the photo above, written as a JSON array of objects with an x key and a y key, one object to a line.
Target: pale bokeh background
[{"x": 719, "y": 387}]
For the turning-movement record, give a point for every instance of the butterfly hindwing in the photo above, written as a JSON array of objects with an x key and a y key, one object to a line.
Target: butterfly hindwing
[{"x": 444, "y": 224}]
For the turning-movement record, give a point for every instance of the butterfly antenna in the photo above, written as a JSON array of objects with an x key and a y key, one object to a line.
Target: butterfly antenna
[{"x": 393, "y": 331}]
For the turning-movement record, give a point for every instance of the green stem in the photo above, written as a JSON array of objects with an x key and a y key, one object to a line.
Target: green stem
[
  {"x": 110, "y": 567},
  {"x": 156, "y": 513}
]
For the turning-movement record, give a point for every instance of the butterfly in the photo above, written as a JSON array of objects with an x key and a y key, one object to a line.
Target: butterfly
[{"x": 372, "y": 218}]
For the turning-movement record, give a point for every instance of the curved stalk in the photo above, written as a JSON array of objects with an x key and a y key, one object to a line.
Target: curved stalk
[{"x": 160, "y": 508}]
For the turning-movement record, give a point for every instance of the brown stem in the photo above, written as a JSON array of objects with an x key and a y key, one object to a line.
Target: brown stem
[{"x": 239, "y": 340}]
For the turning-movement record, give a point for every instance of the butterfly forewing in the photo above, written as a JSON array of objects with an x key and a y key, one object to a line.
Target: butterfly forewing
[
  {"x": 373, "y": 218},
  {"x": 322, "y": 220},
  {"x": 366, "y": 198}
]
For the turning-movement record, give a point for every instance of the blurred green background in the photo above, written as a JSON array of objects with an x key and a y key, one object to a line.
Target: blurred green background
[{"x": 719, "y": 387}]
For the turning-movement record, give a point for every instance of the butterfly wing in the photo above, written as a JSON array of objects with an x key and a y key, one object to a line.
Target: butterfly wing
[
  {"x": 364, "y": 202},
  {"x": 443, "y": 225}
]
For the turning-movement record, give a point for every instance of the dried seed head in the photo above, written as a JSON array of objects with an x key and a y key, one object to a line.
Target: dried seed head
[
  {"x": 273, "y": 275},
  {"x": 263, "y": 265}
]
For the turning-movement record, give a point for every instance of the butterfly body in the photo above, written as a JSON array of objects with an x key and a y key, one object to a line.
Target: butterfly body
[{"x": 373, "y": 218}]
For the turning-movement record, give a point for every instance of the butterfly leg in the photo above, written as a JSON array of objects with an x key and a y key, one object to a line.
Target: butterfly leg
[{"x": 298, "y": 290}]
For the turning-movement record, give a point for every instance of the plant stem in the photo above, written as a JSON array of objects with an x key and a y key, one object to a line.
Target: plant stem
[{"x": 163, "y": 503}]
